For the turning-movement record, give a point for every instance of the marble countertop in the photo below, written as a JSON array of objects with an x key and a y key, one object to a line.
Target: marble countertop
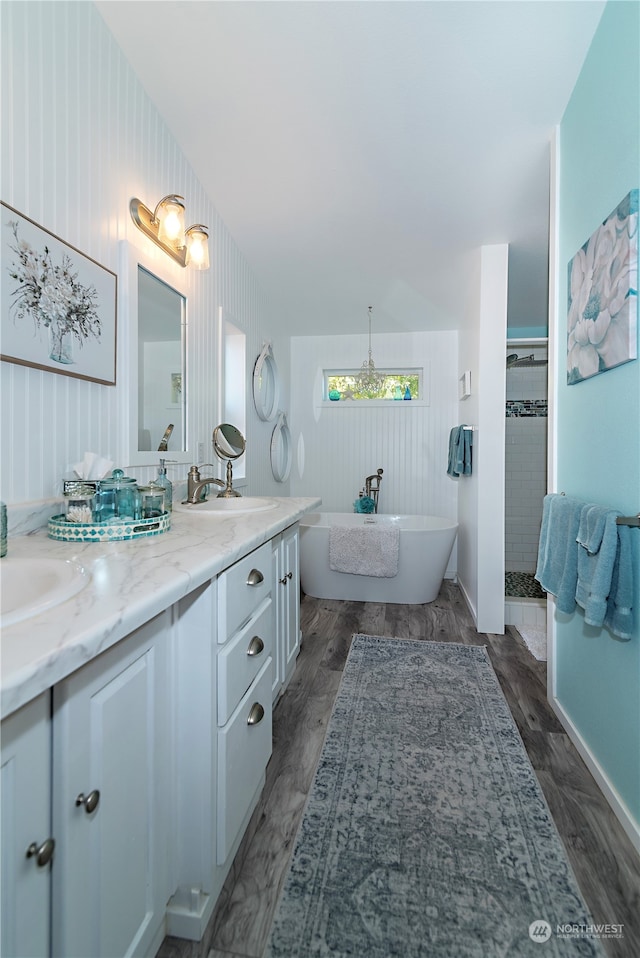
[{"x": 131, "y": 582}]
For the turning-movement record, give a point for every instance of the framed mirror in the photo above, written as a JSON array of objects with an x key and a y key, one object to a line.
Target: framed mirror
[
  {"x": 281, "y": 452},
  {"x": 266, "y": 385},
  {"x": 155, "y": 364}
]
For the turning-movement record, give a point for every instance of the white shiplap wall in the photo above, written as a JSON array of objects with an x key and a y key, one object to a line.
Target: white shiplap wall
[
  {"x": 344, "y": 442},
  {"x": 80, "y": 137}
]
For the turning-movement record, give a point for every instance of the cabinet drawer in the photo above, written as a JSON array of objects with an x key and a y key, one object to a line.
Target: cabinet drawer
[
  {"x": 242, "y": 658},
  {"x": 243, "y": 752},
  {"x": 241, "y": 589}
]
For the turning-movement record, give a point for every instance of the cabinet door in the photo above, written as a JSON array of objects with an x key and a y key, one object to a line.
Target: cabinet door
[
  {"x": 290, "y": 596},
  {"x": 25, "y": 784},
  {"x": 286, "y": 560},
  {"x": 111, "y": 750}
]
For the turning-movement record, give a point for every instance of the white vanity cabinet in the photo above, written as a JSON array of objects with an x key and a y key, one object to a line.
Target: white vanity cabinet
[
  {"x": 246, "y": 622},
  {"x": 144, "y": 764},
  {"x": 111, "y": 793},
  {"x": 286, "y": 564},
  {"x": 27, "y": 845}
]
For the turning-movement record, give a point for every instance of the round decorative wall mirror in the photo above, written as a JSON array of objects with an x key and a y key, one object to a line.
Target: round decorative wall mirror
[
  {"x": 281, "y": 452},
  {"x": 266, "y": 384}
]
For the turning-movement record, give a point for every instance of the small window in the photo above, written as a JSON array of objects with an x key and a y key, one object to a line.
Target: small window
[{"x": 397, "y": 384}]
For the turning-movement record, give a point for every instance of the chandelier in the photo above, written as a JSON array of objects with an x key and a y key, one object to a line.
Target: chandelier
[{"x": 369, "y": 380}]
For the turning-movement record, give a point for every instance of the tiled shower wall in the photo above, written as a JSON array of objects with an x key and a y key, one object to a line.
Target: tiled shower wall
[{"x": 525, "y": 460}]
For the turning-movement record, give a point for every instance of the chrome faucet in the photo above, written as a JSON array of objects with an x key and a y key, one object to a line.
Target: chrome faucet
[
  {"x": 372, "y": 487},
  {"x": 195, "y": 485}
]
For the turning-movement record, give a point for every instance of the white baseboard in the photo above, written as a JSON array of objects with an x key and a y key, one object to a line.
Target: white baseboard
[
  {"x": 465, "y": 595},
  {"x": 620, "y": 810}
]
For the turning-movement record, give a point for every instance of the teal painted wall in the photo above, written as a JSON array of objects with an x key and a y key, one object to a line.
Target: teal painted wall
[{"x": 598, "y": 420}]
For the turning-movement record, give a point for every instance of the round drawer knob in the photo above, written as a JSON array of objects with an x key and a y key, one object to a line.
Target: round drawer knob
[
  {"x": 89, "y": 801},
  {"x": 42, "y": 853}
]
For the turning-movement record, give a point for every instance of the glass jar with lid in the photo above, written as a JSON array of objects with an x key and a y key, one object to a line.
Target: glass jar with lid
[
  {"x": 79, "y": 503},
  {"x": 152, "y": 497},
  {"x": 119, "y": 497}
]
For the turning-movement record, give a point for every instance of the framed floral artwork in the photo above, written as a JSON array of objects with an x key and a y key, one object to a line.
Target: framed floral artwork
[
  {"x": 602, "y": 321},
  {"x": 58, "y": 305}
]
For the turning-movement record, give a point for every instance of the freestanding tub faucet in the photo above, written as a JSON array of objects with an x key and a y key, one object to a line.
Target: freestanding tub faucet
[{"x": 372, "y": 490}]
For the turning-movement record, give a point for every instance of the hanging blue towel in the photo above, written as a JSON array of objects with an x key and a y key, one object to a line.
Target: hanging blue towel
[
  {"x": 598, "y": 540},
  {"x": 619, "y": 615},
  {"x": 605, "y": 578},
  {"x": 557, "y": 569},
  {"x": 460, "y": 446},
  {"x": 592, "y": 525}
]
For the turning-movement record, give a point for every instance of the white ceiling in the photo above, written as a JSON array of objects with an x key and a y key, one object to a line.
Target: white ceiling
[{"x": 358, "y": 151}]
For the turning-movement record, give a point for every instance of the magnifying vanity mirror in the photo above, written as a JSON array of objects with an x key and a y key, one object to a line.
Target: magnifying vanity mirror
[
  {"x": 154, "y": 298},
  {"x": 229, "y": 444}
]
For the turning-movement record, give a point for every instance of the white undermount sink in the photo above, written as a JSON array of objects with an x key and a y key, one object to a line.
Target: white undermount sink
[
  {"x": 31, "y": 586},
  {"x": 227, "y": 506}
]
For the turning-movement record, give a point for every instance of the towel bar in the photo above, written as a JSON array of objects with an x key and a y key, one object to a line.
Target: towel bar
[
  {"x": 633, "y": 521},
  {"x": 629, "y": 521}
]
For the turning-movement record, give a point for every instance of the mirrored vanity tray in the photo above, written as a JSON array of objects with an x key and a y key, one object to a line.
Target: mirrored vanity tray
[{"x": 110, "y": 531}]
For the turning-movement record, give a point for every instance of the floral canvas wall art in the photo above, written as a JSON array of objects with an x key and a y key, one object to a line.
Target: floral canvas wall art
[
  {"x": 602, "y": 322},
  {"x": 58, "y": 305}
]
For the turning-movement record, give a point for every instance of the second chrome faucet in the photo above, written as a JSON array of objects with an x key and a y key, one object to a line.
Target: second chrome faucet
[{"x": 195, "y": 485}]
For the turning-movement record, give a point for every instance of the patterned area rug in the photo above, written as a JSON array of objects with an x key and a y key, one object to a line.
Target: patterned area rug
[{"x": 426, "y": 832}]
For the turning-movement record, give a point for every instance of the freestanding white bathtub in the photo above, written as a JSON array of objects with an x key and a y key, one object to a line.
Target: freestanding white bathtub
[{"x": 425, "y": 546}]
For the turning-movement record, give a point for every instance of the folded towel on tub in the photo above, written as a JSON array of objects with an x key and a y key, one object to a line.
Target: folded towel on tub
[{"x": 371, "y": 549}]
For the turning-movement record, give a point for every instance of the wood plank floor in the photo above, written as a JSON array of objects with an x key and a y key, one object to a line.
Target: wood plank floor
[{"x": 605, "y": 864}]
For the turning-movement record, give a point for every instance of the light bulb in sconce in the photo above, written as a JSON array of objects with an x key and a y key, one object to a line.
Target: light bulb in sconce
[
  {"x": 170, "y": 216},
  {"x": 197, "y": 240}
]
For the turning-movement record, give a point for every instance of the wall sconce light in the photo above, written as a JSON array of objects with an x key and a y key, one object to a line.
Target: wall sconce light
[
  {"x": 165, "y": 226},
  {"x": 197, "y": 239}
]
